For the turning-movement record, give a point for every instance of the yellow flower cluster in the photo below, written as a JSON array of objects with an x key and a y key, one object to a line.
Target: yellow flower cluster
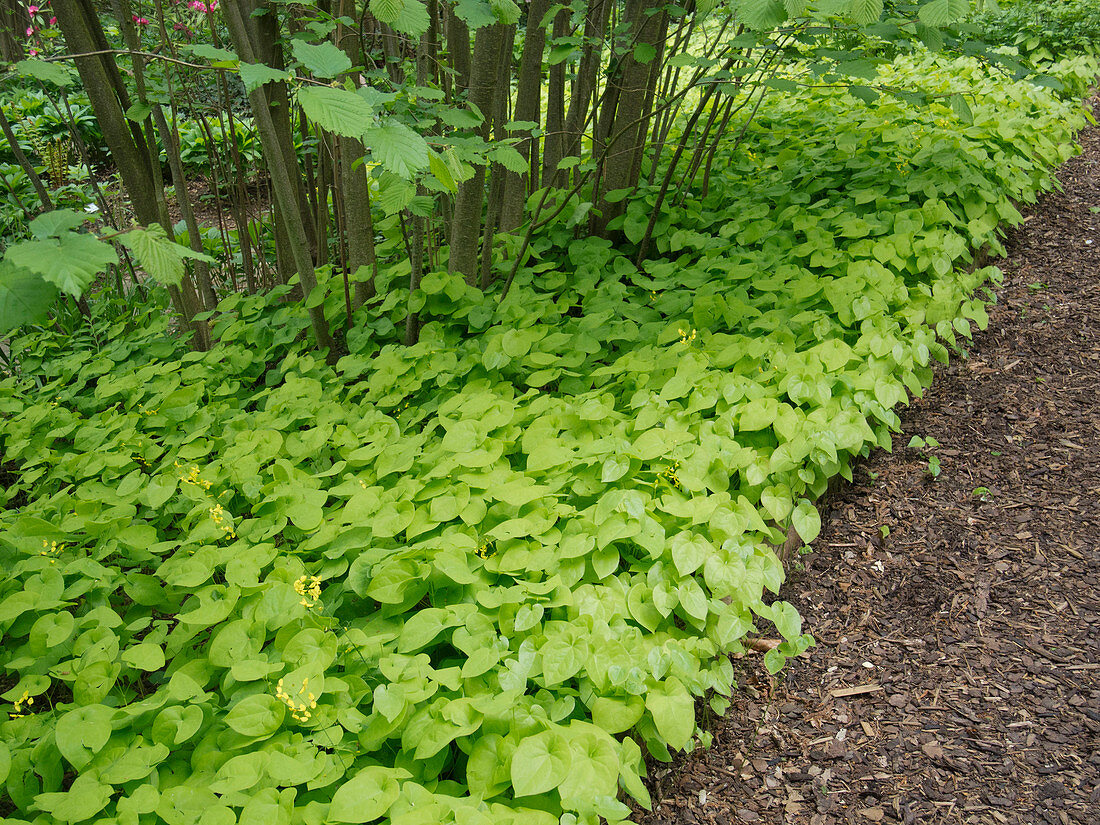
[
  {"x": 51, "y": 550},
  {"x": 687, "y": 337},
  {"x": 484, "y": 551},
  {"x": 671, "y": 475},
  {"x": 192, "y": 477},
  {"x": 300, "y": 705},
  {"x": 223, "y": 520},
  {"x": 24, "y": 701},
  {"x": 309, "y": 588}
]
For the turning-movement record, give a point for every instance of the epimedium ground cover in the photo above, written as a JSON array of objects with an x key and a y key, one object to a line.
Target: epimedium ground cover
[{"x": 478, "y": 578}]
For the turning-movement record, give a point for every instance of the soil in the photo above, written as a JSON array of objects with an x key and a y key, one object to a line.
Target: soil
[{"x": 957, "y": 673}]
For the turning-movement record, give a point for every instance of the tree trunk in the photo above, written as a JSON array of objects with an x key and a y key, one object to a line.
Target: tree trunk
[
  {"x": 469, "y": 200},
  {"x": 622, "y": 129},
  {"x": 528, "y": 108},
  {"x": 287, "y": 200},
  {"x": 553, "y": 140}
]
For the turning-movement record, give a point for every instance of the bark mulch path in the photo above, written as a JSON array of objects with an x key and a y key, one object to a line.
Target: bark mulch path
[{"x": 957, "y": 673}]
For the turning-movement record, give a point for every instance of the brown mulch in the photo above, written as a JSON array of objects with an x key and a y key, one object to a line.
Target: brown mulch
[{"x": 957, "y": 673}]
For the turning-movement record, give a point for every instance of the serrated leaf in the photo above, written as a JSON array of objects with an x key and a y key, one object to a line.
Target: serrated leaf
[
  {"x": 938, "y": 13},
  {"x": 387, "y": 11},
  {"x": 218, "y": 57},
  {"x": 398, "y": 148},
  {"x": 394, "y": 193},
  {"x": 24, "y": 297},
  {"x": 509, "y": 158},
  {"x": 139, "y": 112},
  {"x": 506, "y": 11},
  {"x": 55, "y": 73},
  {"x": 475, "y": 13},
  {"x": 865, "y": 11},
  {"x": 442, "y": 172},
  {"x": 413, "y": 19},
  {"x": 762, "y": 15},
  {"x": 461, "y": 118},
  {"x": 321, "y": 59},
  {"x": 255, "y": 75},
  {"x": 57, "y": 222},
  {"x": 336, "y": 110},
  {"x": 71, "y": 261},
  {"x": 158, "y": 254},
  {"x": 644, "y": 52},
  {"x": 961, "y": 108}
]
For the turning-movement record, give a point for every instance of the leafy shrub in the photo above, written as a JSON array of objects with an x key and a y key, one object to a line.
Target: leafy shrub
[
  {"x": 196, "y": 152},
  {"x": 1044, "y": 30},
  {"x": 468, "y": 580}
]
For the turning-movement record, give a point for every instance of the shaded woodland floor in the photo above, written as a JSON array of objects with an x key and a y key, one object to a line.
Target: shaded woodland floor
[{"x": 957, "y": 673}]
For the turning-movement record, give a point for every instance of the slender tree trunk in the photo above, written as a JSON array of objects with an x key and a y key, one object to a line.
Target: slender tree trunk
[
  {"x": 13, "y": 23},
  {"x": 24, "y": 162},
  {"x": 528, "y": 109},
  {"x": 555, "y": 111},
  {"x": 458, "y": 45},
  {"x": 469, "y": 200},
  {"x": 584, "y": 84},
  {"x": 282, "y": 180},
  {"x": 621, "y": 120}
]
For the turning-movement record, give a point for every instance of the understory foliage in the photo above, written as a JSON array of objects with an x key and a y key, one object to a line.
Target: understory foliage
[
  {"x": 476, "y": 578},
  {"x": 1044, "y": 30}
]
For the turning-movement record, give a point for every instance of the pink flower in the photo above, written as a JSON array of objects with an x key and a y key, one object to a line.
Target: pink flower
[
  {"x": 32, "y": 9},
  {"x": 30, "y": 30},
  {"x": 34, "y": 52},
  {"x": 141, "y": 21},
  {"x": 53, "y": 21}
]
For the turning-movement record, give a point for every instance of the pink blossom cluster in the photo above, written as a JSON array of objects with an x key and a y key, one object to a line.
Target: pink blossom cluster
[
  {"x": 36, "y": 13},
  {"x": 205, "y": 8},
  {"x": 141, "y": 21}
]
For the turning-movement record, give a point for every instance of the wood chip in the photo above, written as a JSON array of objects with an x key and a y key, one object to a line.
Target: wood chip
[{"x": 840, "y": 693}]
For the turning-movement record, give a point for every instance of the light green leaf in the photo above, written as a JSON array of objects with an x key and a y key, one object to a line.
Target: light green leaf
[
  {"x": 25, "y": 298},
  {"x": 387, "y": 11},
  {"x": 806, "y": 521},
  {"x": 139, "y": 112},
  {"x": 159, "y": 255},
  {"x": 86, "y": 797},
  {"x": 761, "y": 14},
  {"x": 81, "y": 733},
  {"x": 673, "y": 712},
  {"x": 475, "y": 13},
  {"x": 337, "y": 110},
  {"x": 366, "y": 796},
  {"x": 255, "y": 75},
  {"x": 394, "y": 193},
  {"x": 56, "y": 73},
  {"x": 398, "y": 148},
  {"x": 509, "y": 158},
  {"x": 145, "y": 656},
  {"x": 786, "y": 620},
  {"x": 321, "y": 59},
  {"x": 71, "y": 261},
  {"x": 540, "y": 763},
  {"x": 942, "y": 12},
  {"x": 865, "y": 11},
  {"x": 219, "y": 58},
  {"x": 413, "y": 19},
  {"x": 259, "y": 715},
  {"x": 689, "y": 551},
  {"x": 55, "y": 223}
]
